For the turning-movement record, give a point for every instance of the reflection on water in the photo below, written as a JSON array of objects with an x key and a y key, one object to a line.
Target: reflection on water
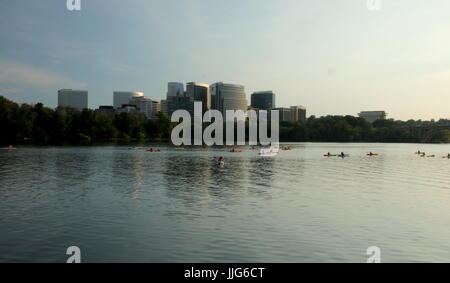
[{"x": 126, "y": 204}]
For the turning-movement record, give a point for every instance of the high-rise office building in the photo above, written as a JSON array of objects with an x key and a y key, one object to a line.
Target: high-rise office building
[
  {"x": 165, "y": 107},
  {"x": 292, "y": 114},
  {"x": 123, "y": 97},
  {"x": 181, "y": 102},
  {"x": 228, "y": 97},
  {"x": 77, "y": 99},
  {"x": 177, "y": 99},
  {"x": 199, "y": 92},
  {"x": 285, "y": 114},
  {"x": 156, "y": 108},
  {"x": 175, "y": 89},
  {"x": 263, "y": 100},
  {"x": 298, "y": 113}
]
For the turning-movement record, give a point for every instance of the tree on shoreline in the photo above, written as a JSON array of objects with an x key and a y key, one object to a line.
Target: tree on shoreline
[{"x": 41, "y": 125}]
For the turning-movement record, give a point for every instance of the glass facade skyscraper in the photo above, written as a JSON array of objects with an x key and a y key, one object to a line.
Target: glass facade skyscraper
[
  {"x": 228, "y": 97},
  {"x": 263, "y": 100},
  {"x": 175, "y": 89},
  {"x": 199, "y": 92}
]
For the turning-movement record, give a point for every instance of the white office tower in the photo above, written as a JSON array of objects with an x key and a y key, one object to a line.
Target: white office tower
[
  {"x": 175, "y": 89},
  {"x": 77, "y": 99},
  {"x": 123, "y": 98}
]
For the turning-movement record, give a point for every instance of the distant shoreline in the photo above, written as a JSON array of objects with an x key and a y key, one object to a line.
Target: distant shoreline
[
  {"x": 137, "y": 142},
  {"x": 40, "y": 125}
]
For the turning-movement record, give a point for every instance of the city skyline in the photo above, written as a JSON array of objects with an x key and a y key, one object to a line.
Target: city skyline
[{"x": 335, "y": 58}]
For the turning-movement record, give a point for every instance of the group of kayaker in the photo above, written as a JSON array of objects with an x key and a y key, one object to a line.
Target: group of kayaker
[
  {"x": 342, "y": 155},
  {"x": 423, "y": 154},
  {"x": 420, "y": 153}
]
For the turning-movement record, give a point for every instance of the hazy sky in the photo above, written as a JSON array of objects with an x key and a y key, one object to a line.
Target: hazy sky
[{"x": 334, "y": 57}]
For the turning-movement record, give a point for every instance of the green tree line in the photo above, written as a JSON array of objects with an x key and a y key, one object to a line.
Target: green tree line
[
  {"x": 356, "y": 129},
  {"x": 41, "y": 125}
]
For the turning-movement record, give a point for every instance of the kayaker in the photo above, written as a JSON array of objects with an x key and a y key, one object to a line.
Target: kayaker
[{"x": 448, "y": 156}]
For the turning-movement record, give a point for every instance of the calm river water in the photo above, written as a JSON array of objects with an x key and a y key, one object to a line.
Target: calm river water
[{"x": 119, "y": 204}]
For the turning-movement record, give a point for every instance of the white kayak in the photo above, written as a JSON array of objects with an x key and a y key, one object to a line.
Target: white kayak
[{"x": 269, "y": 151}]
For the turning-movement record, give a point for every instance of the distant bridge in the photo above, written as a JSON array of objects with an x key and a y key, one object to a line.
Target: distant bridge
[{"x": 426, "y": 133}]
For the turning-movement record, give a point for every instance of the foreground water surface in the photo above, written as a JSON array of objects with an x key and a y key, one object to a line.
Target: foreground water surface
[{"x": 122, "y": 204}]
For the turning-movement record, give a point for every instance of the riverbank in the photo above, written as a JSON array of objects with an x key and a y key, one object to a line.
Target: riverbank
[{"x": 41, "y": 125}]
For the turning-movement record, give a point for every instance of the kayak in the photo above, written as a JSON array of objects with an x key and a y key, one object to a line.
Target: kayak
[
  {"x": 330, "y": 155},
  {"x": 236, "y": 151},
  {"x": 343, "y": 156},
  {"x": 374, "y": 154},
  {"x": 269, "y": 151},
  {"x": 153, "y": 150}
]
